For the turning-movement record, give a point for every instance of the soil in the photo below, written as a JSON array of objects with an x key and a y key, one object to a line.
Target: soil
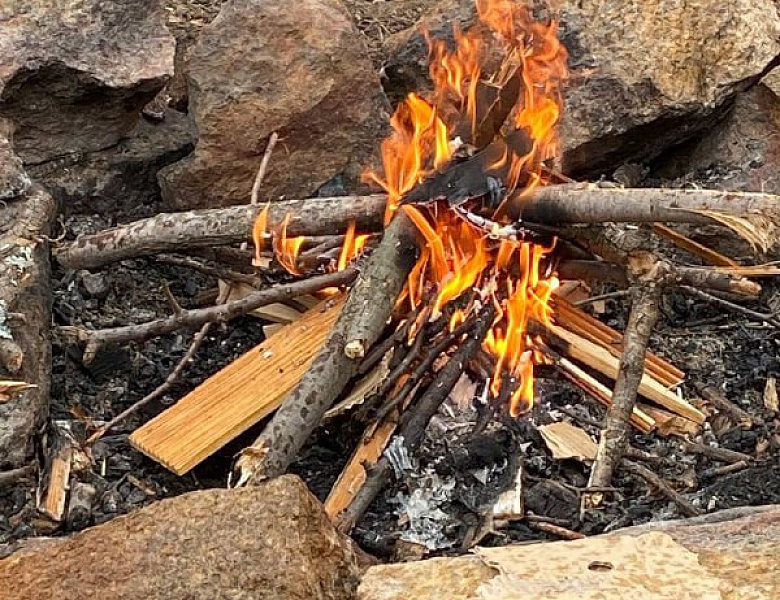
[{"x": 441, "y": 499}]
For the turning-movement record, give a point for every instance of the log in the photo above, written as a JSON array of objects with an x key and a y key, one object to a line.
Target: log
[
  {"x": 173, "y": 232},
  {"x": 589, "y": 203},
  {"x": 231, "y": 401},
  {"x": 25, "y": 320},
  {"x": 551, "y": 205},
  {"x": 360, "y": 324}
]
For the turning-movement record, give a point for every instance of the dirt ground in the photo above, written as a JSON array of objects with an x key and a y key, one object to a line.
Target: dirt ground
[{"x": 459, "y": 472}]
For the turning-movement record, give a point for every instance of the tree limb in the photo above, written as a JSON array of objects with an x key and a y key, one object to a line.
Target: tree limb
[{"x": 360, "y": 324}]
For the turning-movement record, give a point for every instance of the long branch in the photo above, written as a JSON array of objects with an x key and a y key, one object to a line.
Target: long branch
[
  {"x": 174, "y": 232},
  {"x": 200, "y": 316},
  {"x": 360, "y": 324},
  {"x": 641, "y": 322},
  {"x": 551, "y": 205}
]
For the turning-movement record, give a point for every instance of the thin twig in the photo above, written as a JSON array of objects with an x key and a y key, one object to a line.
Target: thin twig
[
  {"x": 607, "y": 296},
  {"x": 269, "y": 149},
  {"x": 556, "y": 530},
  {"x": 196, "y": 317},
  {"x": 686, "y": 508},
  {"x": 413, "y": 426},
  {"x": 764, "y": 317},
  {"x": 219, "y": 273},
  {"x": 174, "y": 375}
]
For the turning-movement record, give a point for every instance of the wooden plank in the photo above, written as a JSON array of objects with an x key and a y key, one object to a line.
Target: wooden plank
[
  {"x": 238, "y": 396},
  {"x": 587, "y": 326},
  {"x": 694, "y": 247},
  {"x": 639, "y": 418},
  {"x": 603, "y": 361}
]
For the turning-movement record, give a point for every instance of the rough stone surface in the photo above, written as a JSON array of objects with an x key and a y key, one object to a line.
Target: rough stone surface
[
  {"x": 25, "y": 291},
  {"x": 741, "y": 153},
  {"x": 121, "y": 181},
  {"x": 723, "y": 556},
  {"x": 299, "y": 69},
  {"x": 74, "y": 75},
  {"x": 644, "y": 74},
  {"x": 13, "y": 179},
  {"x": 267, "y": 542}
]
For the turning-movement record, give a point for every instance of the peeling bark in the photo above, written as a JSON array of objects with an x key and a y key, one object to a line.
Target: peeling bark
[{"x": 25, "y": 318}]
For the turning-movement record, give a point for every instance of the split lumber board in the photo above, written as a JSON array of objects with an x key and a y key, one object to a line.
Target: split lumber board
[
  {"x": 578, "y": 321},
  {"x": 599, "y": 358},
  {"x": 239, "y": 396}
]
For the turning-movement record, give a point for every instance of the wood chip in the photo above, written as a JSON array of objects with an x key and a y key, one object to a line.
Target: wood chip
[
  {"x": 8, "y": 388},
  {"x": 568, "y": 441},
  {"x": 770, "y": 395}
]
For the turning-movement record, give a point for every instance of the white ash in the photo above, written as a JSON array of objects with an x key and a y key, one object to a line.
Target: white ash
[
  {"x": 5, "y": 331},
  {"x": 422, "y": 508}
]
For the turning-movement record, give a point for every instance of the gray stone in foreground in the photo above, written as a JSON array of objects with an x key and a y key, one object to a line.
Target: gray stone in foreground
[{"x": 731, "y": 555}]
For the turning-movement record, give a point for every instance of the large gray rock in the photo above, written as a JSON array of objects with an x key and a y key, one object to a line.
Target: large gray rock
[
  {"x": 120, "y": 181},
  {"x": 268, "y": 542},
  {"x": 741, "y": 153},
  {"x": 74, "y": 75},
  {"x": 297, "y": 68},
  {"x": 645, "y": 74}
]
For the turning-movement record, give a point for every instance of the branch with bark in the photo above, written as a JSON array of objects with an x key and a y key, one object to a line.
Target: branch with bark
[
  {"x": 359, "y": 326},
  {"x": 551, "y": 205}
]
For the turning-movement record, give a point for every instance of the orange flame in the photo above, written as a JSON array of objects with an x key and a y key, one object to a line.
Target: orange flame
[
  {"x": 457, "y": 257},
  {"x": 288, "y": 249}
]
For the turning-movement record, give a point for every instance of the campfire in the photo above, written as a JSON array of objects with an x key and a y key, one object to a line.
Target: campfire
[{"x": 466, "y": 286}]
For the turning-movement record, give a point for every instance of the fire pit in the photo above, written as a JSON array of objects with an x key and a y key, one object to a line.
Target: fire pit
[{"x": 460, "y": 357}]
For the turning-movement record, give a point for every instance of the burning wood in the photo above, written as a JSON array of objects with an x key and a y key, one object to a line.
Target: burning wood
[{"x": 464, "y": 280}]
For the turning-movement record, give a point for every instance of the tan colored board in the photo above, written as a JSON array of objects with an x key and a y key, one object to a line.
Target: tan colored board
[
  {"x": 584, "y": 325},
  {"x": 238, "y": 396},
  {"x": 603, "y": 361}
]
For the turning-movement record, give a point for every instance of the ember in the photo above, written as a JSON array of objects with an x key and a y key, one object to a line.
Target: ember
[{"x": 496, "y": 104}]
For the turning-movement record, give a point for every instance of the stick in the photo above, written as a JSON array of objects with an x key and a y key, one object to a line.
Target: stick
[
  {"x": 556, "y": 530},
  {"x": 219, "y": 273},
  {"x": 173, "y": 376},
  {"x": 720, "y": 454},
  {"x": 269, "y": 149},
  {"x": 195, "y": 317},
  {"x": 359, "y": 326},
  {"x": 9, "y": 478},
  {"x": 589, "y": 203},
  {"x": 551, "y": 205},
  {"x": 413, "y": 428},
  {"x": 724, "y": 405},
  {"x": 694, "y": 247},
  {"x": 641, "y": 322},
  {"x": 771, "y": 318},
  {"x": 175, "y": 232},
  {"x": 686, "y": 508}
]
